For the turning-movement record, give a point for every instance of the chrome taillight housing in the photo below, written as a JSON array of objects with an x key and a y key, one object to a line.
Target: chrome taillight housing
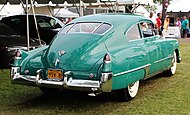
[
  {"x": 18, "y": 54},
  {"x": 106, "y": 76},
  {"x": 107, "y": 58}
]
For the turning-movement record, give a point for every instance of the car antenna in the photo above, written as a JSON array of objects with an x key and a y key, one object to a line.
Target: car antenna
[{"x": 106, "y": 47}]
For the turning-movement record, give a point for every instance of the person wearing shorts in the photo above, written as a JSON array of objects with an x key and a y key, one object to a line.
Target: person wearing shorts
[{"x": 185, "y": 26}]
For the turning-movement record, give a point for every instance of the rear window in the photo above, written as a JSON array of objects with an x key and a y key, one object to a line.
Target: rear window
[{"x": 97, "y": 28}]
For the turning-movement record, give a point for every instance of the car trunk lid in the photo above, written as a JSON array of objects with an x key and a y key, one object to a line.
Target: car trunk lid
[{"x": 73, "y": 51}]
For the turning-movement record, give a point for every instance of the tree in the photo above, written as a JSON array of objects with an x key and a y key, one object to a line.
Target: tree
[
  {"x": 159, "y": 1},
  {"x": 154, "y": 8}
]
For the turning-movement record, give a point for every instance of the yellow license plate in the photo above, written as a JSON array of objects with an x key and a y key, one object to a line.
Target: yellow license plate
[{"x": 55, "y": 74}]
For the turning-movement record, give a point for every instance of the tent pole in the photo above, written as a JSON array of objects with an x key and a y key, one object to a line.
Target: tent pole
[
  {"x": 27, "y": 27},
  {"x": 22, "y": 6},
  {"x": 35, "y": 21},
  {"x": 3, "y": 6},
  {"x": 80, "y": 8}
]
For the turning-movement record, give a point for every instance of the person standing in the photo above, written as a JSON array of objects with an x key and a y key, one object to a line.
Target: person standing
[
  {"x": 165, "y": 26},
  {"x": 178, "y": 22},
  {"x": 159, "y": 23},
  {"x": 185, "y": 26},
  {"x": 153, "y": 19},
  {"x": 68, "y": 20}
]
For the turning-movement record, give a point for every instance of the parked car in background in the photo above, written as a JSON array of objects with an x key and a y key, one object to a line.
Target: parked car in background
[
  {"x": 13, "y": 34},
  {"x": 10, "y": 42},
  {"x": 48, "y": 26},
  {"x": 98, "y": 53}
]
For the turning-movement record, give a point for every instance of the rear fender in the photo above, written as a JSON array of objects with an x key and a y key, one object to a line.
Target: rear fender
[
  {"x": 25, "y": 56},
  {"x": 18, "y": 61}
]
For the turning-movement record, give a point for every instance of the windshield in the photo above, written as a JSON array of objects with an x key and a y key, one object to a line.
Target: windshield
[{"x": 87, "y": 27}]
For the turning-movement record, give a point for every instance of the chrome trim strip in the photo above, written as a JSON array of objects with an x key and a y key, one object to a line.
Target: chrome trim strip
[
  {"x": 132, "y": 70},
  {"x": 170, "y": 56},
  {"x": 83, "y": 83},
  {"x": 156, "y": 73}
]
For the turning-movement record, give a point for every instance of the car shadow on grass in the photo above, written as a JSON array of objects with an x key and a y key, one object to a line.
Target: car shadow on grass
[{"x": 68, "y": 100}]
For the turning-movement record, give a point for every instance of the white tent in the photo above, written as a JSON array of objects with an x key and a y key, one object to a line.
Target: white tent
[
  {"x": 142, "y": 11},
  {"x": 150, "y": 2},
  {"x": 179, "y": 6},
  {"x": 8, "y": 9},
  {"x": 65, "y": 13}
]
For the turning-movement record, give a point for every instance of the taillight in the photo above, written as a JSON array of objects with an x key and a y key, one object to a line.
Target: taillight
[
  {"x": 107, "y": 58},
  {"x": 18, "y": 54}
]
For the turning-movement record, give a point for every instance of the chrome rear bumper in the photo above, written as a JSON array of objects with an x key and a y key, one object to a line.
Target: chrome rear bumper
[{"x": 67, "y": 83}]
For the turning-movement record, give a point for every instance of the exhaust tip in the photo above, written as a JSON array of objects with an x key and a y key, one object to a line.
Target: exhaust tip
[{"x": 92, "y": 94}]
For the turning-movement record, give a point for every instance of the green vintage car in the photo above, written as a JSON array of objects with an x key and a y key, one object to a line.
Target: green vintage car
[{"x": 98, "y": 53}]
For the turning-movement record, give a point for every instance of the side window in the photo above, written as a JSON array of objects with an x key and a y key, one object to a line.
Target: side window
[
  {"x": 133, "y": 33},
  {"x": 47, "y": 22},
  {"x": 103, "y": 28},
  {"x": 147, "y": 29}
]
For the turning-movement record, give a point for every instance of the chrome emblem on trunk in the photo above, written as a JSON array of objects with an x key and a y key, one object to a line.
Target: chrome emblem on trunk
[
  {"x": 56, "y": 62},
  {"x": 91, "y": 75},
  {"x": 62, "y": 52}
]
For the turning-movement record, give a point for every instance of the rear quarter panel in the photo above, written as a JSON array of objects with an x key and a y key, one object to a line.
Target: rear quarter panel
[
  {"x": 31, "y": 60},
  {"x": 124, "y": 57},
  {"x": 171, "y": 46}
]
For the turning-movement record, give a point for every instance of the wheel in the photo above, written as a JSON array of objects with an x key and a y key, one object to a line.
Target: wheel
[
  {"x": 172, "y": 70},
  {"x": 49, "y": 91},
  {"x": 128, "y": 93}
]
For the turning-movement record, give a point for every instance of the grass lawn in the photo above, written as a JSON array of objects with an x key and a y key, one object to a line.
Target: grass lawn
[{"x": 157, "y": 95}]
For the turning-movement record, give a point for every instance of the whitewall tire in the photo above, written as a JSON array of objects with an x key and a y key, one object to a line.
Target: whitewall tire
[
  {"x": 173, "y": 68},
  {"x": 133, "y": 89},
  {"x": 128, "y": 93}
]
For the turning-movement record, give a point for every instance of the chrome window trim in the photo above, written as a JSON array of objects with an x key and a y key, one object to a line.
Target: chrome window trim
[
  {"x": 73, "y": 24},
  {"x": 97, "y": 27},
  {"x": 126, "y": 32},
  {"x": 111, "y": 26}
]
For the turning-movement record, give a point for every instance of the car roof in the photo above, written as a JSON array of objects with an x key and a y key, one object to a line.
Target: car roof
[
  {"x": 22, "y": 15},
  {"x": 111, "y": 18}
]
